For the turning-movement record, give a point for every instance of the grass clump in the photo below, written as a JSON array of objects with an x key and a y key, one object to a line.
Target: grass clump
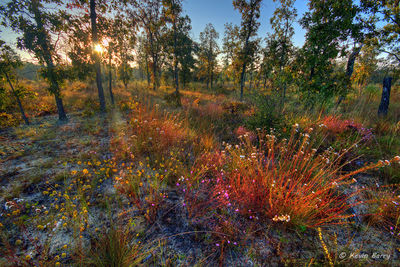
[{"x": 283, "y": 181}]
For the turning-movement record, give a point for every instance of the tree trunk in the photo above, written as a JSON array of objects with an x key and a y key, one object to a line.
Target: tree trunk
[
  {"x": 110, "y": 79},
  {"x": 282, "y": 105},
  {"x": 175, "y": 59},
  {"x": 242, "y": 80},
  {"x": 154, "y": 75},
  {"x": 384, "y": 106},
  {"x": 211, "y": 79},
  {"x": 96, "y": 56},
  {"x": 349, "y": 70},
  {"x": 147, "y": 70},
  {"x": 21, "y": 109},
  {"x": 60, "y": 108}
]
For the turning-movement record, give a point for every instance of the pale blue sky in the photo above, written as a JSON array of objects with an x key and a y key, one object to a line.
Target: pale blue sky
[{"x": 219, "y": 12}]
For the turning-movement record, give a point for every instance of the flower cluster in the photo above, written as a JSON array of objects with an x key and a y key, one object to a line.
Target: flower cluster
[{"x": 281, "y": 218}]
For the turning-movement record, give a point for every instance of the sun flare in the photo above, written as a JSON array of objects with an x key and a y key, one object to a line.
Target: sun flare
[{"x": 98, "y": 48}]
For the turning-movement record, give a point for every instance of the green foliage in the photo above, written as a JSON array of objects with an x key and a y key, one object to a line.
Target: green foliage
[
  {"x": 250, "y": 12},
  {"x": 208, "y": 52},
  {"x": 385, "y": 26},
  {"x": 267, "y": 115},
  {"x": 328, "y": 24}
]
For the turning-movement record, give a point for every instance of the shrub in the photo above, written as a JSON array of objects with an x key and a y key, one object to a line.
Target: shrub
[
  {"x": 267, "y": 115},
  {"x": 8, "y": 120},
  {"x": 336, "y": 126},
  {"x": 385, "y": 208}
]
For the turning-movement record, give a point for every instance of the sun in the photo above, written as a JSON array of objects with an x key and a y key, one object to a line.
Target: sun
[{"x": 98, "y": 48}]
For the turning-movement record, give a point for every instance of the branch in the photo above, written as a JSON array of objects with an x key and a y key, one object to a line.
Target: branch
[{"x": 390, "y": 53}]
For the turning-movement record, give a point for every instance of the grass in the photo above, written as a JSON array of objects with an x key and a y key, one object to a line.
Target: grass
[
  {"x": 153, "y": 183},
  {"x": 284, "y": 181}
]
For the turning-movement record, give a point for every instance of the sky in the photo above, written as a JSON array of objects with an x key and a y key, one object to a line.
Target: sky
[{"x": 217, "y": 12}]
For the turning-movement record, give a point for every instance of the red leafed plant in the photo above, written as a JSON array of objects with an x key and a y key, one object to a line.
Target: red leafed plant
[{"x": 335, "y": 125}]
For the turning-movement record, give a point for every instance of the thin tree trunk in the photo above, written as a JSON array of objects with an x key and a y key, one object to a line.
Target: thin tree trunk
[
  {"x": 349, "y": 70},
  {"x": 211, "y": 79},
  {"x": 21, "y": 109},
  {"x": 154, "y": 75},
  {"x": 175, "y": 59},
  {"x": 96, "y": 56},
  {"x": 242, "y": 80},
  {"x": 110, "y": 79},
  {"x": 147, "y": 70},
  {"x": 384, "y": 105}
]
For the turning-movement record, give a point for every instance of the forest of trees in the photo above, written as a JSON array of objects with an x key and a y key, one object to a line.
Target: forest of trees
[{"x": 346, "y": 43}]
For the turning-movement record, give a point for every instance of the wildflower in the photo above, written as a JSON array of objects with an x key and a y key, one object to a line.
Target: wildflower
[
  {"x": 28, "y": 257},
  {"x": 281, "y": 218},
  {"x": 397, "y": 159}
]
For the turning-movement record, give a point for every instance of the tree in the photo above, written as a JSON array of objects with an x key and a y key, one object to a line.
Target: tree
[
  {"x": 119, "y": 37},
  {"x": 125, "y": 41},
  {"x": 329, "y": 24},
  {"x": 231, "y": 48},
  {"x": 80, "y": 47},
  {"x": 172, "y": 11},
  {"x": 36, "y": 24},
  {"x": 250, "y": 11},
  {"x": 365, "y": 66},
  {"x": 150, "y": 17},
  {"x": 186, "y": 57},
  {"x": 280, "y": 46},
  {"x": 208, "y": 53},
  {"x": 386, "y": 15},
  {"x": 96, "y": 56},
  {"x": 9, "y": 62},
  {"x": 143, "y": 58}
]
